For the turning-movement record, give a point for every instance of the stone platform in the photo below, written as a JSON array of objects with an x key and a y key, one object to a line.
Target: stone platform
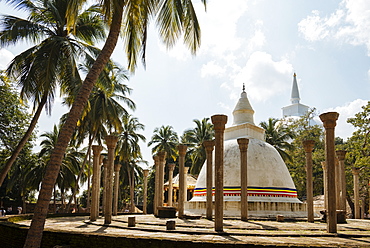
[{"x": 200, "y": 232}]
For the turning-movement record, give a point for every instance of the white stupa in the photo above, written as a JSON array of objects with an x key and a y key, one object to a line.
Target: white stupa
[{"x": 271, "y": 190}]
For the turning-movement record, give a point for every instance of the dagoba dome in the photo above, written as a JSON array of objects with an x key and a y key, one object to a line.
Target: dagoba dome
[{"x": 271, "y": 189}]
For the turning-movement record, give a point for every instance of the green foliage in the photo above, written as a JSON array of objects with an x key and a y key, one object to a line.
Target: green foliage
[{"x": 165, "y": 139}]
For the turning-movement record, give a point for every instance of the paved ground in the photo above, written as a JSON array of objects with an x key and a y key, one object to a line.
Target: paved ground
[{"x": 356, "y": 233}]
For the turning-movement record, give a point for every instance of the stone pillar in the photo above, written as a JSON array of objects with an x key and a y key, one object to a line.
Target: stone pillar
[
  {"x": 156, "y": 184},
  {"x": 171, "y": 167},
  {"x": 329, "y": 120},
  {"x": 308, "y": 147},
  {"x": 162, "y": 162},
  {"x": 243, "y": 147},
  {"x": 186, "y": 170},
  {"x": 105, "y": 176},
  {"x": 182, "y": 189},
  {"x": 209, "y": 146},
  {"x": 323, "y": 165},
  {"x": 145, "y": 203},
  {"x": 219, "y": 122},
  {"x": 356, "y": 192},
  {"x": 337, "y": 182},
  {"x": 117, "y": 168},
  {"x": 94, "y": 213},
  {"x": 111, "y": 141},
  {"x": 342, "y": 181}
]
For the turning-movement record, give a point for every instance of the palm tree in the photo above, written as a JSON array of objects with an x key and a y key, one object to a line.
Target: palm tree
[
  {"x": 129, "y": 151},
  {"x": 71, "y": 163},
  {"x": 104, "y": 109},
  {"x": 194, "y": 139},
  {"x": 165, "y": 139},
  {"x": 53, "y": 59},
  {"x": 279, "y": 136},
  {"x": 174, "y": 21}
]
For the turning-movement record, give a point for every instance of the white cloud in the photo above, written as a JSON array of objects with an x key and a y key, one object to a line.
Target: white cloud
[
  {"x": 264, "y": 77},
  {"x": 212, "y": 69},
  {"x": 348, "y": 110},
  {"x": 350, "y": 23},
  {"x": 5, "y": 58}
]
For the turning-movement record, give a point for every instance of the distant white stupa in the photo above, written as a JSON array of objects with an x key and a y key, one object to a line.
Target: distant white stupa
[
  {"x": 271, "y": 190},
  {"x": 295, "y": 108}
]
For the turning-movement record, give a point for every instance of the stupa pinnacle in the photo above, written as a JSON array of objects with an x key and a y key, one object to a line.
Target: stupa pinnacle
[{"x": 243, "y": 112}]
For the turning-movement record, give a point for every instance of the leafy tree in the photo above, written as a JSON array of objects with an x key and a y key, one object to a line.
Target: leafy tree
[
  {"x": 358, "y": 153},
  {"x": 52, "y": 61},
  {"x": 173, "y": 20},
  {"x": 194, "y": 138},
  {"x": 305, "y": 129},
  {"x": 14, "y": 120}
]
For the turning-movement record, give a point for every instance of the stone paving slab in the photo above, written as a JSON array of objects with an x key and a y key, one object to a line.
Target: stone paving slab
[{"x": 356, "y": 233}]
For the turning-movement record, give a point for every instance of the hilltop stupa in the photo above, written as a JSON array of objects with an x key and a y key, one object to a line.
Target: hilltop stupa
[{"x": 271, "y": 190}]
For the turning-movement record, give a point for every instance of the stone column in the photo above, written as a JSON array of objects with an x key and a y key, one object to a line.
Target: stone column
[
  {"x": 156, "y": 188},
  {"x": 171, "y": 167},
  {"x": 329, "y": 120},
  {"x": 209, "y": 146},
  {"x": 94, "y": 213},
  {"x": 182, "y": 189},
  {"x": 337, "y": 182},
  {"x": 219, "y": 122},
  {"x": 186, "y": 171},
  {"x": 323, "y": 165},
  {"x": 145, "y": 203},
  {"x": 117, "y": 168},
  {"x": 111, "y": 141},
  {"x": 308, "y": 147},
  {"x": 162, "y": 162},
  {"x": 105, "y": 176},
  {"x": 243, "y": 147},
  {"x": 356, "y": 192},
  {"x": 342, "y": 180}
]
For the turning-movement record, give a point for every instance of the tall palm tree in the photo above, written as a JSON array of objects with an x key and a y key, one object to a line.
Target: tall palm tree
[
  {"x": 67, "y": 177},
  {"x": 53, "y": 59},
  {"x": 194, "y": 139},
  {"x": 104, "y": 110},
  {"x": 279, "y": 136},
  {"x": 129, "y": 151},
  {"x": 165, "y": 139},
  {"x": 173, "y": 20}
]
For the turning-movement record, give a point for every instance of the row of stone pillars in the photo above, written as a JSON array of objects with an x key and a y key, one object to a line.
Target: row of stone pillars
[
  {"x": 111, "y": 186},
  {"x": 159, "y": 163},
  {"x": 334, "y": 177}
]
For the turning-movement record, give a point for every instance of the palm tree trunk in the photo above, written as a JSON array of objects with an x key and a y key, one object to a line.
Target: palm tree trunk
[
  {"x": 23, "y": 141},
  {"x": 34, "y": 235}
]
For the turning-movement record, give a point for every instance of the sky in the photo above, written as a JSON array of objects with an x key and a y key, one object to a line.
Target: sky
[{"x": 256, "y": 43}]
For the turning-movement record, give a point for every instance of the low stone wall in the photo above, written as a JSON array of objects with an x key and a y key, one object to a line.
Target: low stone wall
[{"x": 255, "y": 209}]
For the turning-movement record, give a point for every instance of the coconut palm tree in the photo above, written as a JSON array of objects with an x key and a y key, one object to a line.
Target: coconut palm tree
[
  {"x": 194, "y": 139},
  {"x": 129, "y": 152},
  {"x": 279, "y": 136},
  {"x": 173, "y": 20},
  {"x": 165, "y": 139},
  {"x": 52, "y": 61},
  {"x": 67, "y": 177},
  {"x": 104, "y": 110}
]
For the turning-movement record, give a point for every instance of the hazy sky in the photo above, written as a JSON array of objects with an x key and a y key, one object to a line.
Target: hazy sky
[{"x": 259, "y": 43}]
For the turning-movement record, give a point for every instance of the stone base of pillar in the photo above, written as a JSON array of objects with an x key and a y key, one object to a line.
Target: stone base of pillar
[
  {"x": 131, "y": 221},
  {"x": 341, "y": 216},
  {"x": 166, "y": 212},
  {"x": 170, "y": 225}
]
